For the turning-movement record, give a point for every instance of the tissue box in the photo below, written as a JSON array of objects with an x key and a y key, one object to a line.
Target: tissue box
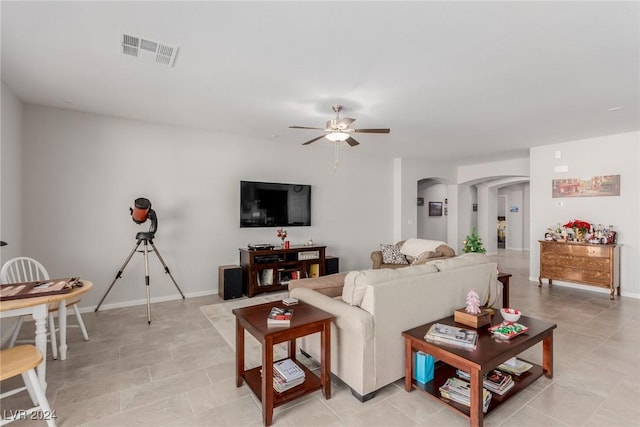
[
  {"x": 473, "y": 320},
  {"x": 423, "y": 365}
]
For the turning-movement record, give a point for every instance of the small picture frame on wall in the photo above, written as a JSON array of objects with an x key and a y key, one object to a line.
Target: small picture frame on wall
[
  {"x": 420, "y": 201},
  {"x": 435, "y": 208}
]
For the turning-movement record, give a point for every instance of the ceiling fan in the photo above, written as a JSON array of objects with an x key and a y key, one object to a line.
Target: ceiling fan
[{"x": 339, "y": 129}]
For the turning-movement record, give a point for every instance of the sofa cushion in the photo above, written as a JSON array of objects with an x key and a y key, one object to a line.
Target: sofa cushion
[
  {"x": 424, "y": 257},
  {"x": 391, "y": 255},
  {"x": 414, "y": 247},
  {"x": 460, "y": 261},
  {"x": 356, "y": 282}
]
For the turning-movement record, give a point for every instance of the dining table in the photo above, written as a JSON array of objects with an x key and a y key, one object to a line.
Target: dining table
[{"x": 38, "y": 308}]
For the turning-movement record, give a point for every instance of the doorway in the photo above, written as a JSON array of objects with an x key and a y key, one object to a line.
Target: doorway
[
  {"x": 502, "y": 232},
  {"x": 502, "y": 221}
]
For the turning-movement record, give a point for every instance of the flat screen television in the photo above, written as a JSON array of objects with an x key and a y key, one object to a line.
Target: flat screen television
[{"x": 271, "y": 204}]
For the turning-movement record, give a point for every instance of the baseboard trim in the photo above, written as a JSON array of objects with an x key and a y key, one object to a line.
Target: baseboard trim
[{"x": 144, "y": 301}]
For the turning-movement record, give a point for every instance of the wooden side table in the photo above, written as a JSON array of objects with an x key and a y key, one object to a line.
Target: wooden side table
[
  {"x": 488, "y": 354},
  {"x": 504, "y": 279},
  {"x": 306, "y": 320}
]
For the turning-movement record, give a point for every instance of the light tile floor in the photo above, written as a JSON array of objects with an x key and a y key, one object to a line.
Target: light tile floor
[{"x": 179, "y": 371}]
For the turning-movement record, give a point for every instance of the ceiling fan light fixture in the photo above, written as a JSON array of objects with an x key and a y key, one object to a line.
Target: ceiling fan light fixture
[{"x": 337, "y": 136}]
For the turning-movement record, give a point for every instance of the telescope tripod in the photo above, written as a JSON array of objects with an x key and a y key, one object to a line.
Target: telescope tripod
[{"x": 147, "y": 238}]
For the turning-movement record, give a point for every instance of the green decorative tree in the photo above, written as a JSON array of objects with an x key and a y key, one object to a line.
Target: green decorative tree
[{"x": 473, "y": 243}]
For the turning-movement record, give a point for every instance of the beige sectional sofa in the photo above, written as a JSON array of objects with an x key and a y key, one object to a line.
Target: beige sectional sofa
[{"x": 373, "y": 307}]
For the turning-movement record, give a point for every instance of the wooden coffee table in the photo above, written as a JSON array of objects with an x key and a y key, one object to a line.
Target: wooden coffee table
[
  {"x": 306, "y": 320},
  {"x": 489, "y": 353}
]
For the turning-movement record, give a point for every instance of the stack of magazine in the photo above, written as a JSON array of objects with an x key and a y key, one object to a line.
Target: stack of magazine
[
  {"x": 459, "y": 391},
  {"x": 447, "y": 334},
  {"x": 515, "y": 366},
  {"x": 286, "y": 375},
  {"x": 496, "y": 381},
  {"x": 279, "y": 316}
]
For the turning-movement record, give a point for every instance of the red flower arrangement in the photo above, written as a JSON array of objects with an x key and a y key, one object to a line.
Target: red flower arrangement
[
  {"x": 578, "y": 224},
  {"x": 282, "y": 234}
]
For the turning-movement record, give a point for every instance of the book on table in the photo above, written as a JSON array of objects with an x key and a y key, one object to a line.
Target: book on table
[
  {"x": 279, "y": 316},
  {"x": 495, "y": 381},
  {"x": 288, "y": 369},
  {"x": 38, "y": 288},
  {"x": 286, "y": 375},
  {"x": 459, "y": 391},
  {"x": 515, "y": 366},
  {"x": 280, "y": 385},
  {"x": 447, "y": 334}
]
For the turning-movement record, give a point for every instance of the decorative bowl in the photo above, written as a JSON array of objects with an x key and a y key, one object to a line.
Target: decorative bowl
[{"x": 510, "y": 314}]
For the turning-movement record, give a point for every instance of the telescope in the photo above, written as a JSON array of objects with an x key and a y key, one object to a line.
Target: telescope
[{"x": 140, "y": 213}]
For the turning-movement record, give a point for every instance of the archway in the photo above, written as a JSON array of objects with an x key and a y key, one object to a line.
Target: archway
[
  {"x": 479, "y": 208},
  {"x": 432, "y": 209}
]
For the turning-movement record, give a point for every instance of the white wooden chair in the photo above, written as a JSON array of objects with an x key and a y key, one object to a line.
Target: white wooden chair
[
  {"x": 23, "y": 360},
  {"x": 25, "y": 269}
]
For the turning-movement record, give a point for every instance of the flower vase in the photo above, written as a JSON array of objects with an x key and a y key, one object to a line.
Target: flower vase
[{"x": 580, "y": 235}]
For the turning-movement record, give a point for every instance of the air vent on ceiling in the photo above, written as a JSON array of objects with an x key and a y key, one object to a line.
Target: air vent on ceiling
[{"x": 148, "y": 49}]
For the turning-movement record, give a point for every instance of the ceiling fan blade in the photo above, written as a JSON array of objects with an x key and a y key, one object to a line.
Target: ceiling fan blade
[
  {"x": 313, "y": 140},
  {"x": 304, "y": 127},
  {"x": 352, "y": 142},
  {"x": 371, "y": 130}
]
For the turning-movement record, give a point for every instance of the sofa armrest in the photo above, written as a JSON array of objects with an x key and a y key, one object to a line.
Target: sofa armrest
[
  {"x": 347, "y": 317},
  {"x": 376, "y": 259},
  {"x": 330, "y": 285}
]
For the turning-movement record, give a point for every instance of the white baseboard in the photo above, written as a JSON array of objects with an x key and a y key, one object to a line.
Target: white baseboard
[{"x": 144, "y": 301}]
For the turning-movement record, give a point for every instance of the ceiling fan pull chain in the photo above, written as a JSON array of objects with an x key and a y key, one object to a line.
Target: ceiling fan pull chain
[{"x": 335, "y": 166}]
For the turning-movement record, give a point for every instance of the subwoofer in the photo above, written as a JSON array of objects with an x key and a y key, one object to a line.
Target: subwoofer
[
  {"x": 230, "y": 281},
  {"x": 331, "y": 265}
]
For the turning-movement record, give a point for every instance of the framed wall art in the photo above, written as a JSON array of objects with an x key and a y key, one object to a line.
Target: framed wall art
[
  {"x": 604, "y": 185},
  {"x": 435, "y": 208}
]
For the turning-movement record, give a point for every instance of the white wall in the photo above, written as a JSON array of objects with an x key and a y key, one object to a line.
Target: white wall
[
  {"x": 608, "y": 155},
  {"x": 11, "y": 189},
  {"x": 85, "y": 170},
  {"x": 407, "y": 174},
  {"x": 10, "y": 186},
  {"x": 490, "y": 170}
]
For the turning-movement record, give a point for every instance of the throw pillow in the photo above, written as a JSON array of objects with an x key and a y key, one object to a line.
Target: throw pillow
[
  {"x": 425, "y": 257},
  {"x": 391, "y": 255}
]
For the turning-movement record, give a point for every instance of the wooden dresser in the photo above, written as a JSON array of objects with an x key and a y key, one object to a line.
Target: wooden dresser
[{"x": 594, "y": 265}]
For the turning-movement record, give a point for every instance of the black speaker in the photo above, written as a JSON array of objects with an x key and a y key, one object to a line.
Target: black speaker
[
  {"x": 331, "y": 265},
  {"x": 229, "y": 281}
]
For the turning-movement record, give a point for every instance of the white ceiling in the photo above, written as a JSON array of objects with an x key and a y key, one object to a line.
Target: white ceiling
[{"x": 453, "y": 80}]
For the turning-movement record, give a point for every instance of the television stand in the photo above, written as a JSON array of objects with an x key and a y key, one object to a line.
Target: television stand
[{"x": 269, "y": 270}]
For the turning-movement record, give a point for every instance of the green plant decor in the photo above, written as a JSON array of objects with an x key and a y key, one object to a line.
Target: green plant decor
[{"x": 473, "y": 243}]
